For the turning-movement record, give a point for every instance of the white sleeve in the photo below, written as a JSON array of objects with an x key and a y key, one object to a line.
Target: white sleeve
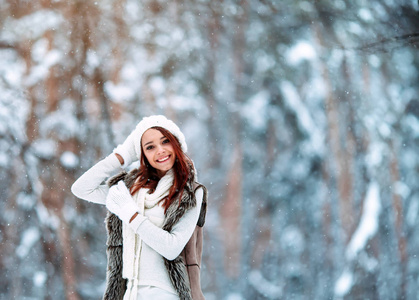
[
  {"x": 89, "y": 185},
  {"x": 171, "y": 244}
]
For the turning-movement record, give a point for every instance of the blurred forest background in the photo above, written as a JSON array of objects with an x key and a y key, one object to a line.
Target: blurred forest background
[{"x": 302, "y": 118}]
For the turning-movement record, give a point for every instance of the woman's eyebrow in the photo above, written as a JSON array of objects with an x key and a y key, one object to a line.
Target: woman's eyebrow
[{"x": 163, "y": 137}]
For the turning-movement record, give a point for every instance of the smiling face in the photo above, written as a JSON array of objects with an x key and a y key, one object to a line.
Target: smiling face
[{"x": 158, "y": 150}]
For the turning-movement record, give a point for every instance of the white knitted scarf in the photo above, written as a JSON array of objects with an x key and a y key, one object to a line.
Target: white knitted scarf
[{"x": 131, "y": 250}]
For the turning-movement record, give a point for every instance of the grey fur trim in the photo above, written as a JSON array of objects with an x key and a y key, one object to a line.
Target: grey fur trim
[
  {"x": 179, "y": 277},
  {"x": 115, "y": 284},
  {"x": 114, "y": 180},
  {"x": 114, "y": 225},
  {"x": 203, "y": 213}
]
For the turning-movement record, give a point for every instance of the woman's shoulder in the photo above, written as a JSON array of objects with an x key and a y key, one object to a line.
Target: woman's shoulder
[
  {"x": 127, "y": 177},
  {"x": 197, "y": 186}
]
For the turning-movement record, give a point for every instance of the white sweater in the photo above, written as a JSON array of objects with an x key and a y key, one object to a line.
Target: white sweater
[{"x": 156, "y": 242}]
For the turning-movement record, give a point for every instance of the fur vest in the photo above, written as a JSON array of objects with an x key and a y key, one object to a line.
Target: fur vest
[{"x": 183, "y": 270}]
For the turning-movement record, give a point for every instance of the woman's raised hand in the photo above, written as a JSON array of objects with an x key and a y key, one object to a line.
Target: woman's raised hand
[{"x": 127, "y": 151}]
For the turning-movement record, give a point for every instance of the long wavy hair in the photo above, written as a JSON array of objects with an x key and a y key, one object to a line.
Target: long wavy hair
[{"x": 148, "y": 178}]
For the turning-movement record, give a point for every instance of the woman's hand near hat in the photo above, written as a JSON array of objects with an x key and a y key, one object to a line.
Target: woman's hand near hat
[{"x": 127, "y": 151}]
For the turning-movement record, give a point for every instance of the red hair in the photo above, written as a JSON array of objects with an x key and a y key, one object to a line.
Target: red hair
[{"x": 148, "y": 178}]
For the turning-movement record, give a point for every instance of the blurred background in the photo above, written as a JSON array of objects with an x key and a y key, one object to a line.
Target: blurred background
[{"x": 302, "y": 118}]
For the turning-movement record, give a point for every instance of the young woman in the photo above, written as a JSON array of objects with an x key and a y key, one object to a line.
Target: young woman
[{"x": 156, "y": 214}]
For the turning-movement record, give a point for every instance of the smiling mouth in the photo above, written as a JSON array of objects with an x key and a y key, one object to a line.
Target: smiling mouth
[{"x": 162, "y": 160}]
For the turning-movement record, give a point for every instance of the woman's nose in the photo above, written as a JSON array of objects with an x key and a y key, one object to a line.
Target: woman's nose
[{"x": 160, "y": 149}]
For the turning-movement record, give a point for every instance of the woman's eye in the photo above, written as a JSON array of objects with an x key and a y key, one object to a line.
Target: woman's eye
[
  {"x": 166, "y": 141},
  {"x": 149, "y": 147}
]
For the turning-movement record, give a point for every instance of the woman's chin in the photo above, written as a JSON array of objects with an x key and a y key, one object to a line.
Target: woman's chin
[{"x": 161, "y": 171}]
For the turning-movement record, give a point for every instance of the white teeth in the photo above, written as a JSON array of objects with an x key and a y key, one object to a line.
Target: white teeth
[{"x": 164, "y": 159}]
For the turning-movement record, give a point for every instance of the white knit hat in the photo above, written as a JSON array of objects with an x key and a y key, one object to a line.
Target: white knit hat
[{"x": 160, "y": 121}]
